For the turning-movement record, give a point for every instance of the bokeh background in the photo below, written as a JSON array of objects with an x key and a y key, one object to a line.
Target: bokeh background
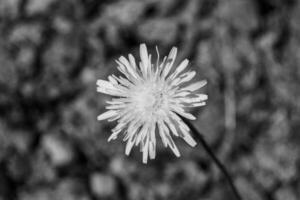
[{"x": 52, "y": 52}]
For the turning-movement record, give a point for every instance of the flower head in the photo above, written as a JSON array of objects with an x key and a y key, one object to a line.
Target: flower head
[{"x": 149, "y": 97}]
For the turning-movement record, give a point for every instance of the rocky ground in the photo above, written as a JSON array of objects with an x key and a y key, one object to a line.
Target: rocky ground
[{"x": 52, "y": 52}]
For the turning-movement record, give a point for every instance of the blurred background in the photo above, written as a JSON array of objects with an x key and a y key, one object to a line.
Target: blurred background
[{"x": 52, "y": 52}]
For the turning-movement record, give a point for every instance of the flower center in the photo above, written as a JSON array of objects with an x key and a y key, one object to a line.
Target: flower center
[{"x": 149, "y": 98}]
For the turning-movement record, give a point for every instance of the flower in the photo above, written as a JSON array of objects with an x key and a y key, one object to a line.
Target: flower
[{"x": 149, "y": 97}]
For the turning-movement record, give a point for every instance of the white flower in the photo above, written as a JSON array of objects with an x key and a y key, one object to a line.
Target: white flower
[{"x": 150, "y": 97}]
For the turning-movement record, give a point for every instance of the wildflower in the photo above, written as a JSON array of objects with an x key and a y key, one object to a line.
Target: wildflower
[{"x": 149, "y": 97}]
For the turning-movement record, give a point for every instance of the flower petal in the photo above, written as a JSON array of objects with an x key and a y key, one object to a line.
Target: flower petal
[
  {"x": 146, "y": 150},
  {"x": 186, "y": 77},
  {"x": 132, "y": 61},
  {"x": 180, "y": 68},
  {"x": 114, "y": 135},
  {"x": 108, "y": 88},
  {"x": 130, "y": 144},
  {"x": 195, "y": 86},
  {"x": 107, "y": 114},
  {"x": 144, "y": 59},
  {"x": 129, "y": 67},
  {"x": 152, "y": 149},
  {"x": 170, "y": 61},
  {"x": 188, "y": 138}
]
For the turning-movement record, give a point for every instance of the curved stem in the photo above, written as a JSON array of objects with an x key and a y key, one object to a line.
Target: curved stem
[{"x": 199, "y": 137}]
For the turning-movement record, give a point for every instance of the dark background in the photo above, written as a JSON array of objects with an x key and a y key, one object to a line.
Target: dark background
[{"x": 53, "y": 51}]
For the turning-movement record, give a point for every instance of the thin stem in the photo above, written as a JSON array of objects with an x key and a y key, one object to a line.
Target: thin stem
[{"x": 199, "y": 137}]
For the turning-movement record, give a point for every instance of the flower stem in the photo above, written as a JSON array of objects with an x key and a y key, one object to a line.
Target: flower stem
[{"x": 199, "y": 137}]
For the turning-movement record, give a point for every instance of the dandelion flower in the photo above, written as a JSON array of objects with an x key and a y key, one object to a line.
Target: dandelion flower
[{"x": 149, "y": 99}]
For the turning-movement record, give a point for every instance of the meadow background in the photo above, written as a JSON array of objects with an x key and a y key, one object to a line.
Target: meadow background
[{"x": 52, "y": 52}]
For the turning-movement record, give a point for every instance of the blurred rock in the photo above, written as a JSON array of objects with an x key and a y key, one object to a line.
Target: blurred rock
[
  {"x": 44, "y": 172},
  {"x": 26, "y": 33},
  {"x": 61, "y": 56},
  {"x": 102, "y": 185},
  {"x": 42, "y": 194},
  {"x": 279, "y": 129},
  {"x": 137, "y": 191},
  {"x": 66, "y": 190},
  {"x": 285, "y": 193},
  {"x": 8, "y": 73},
  {"x": 162, "y": 190},
  {"x": 240, "y": 14},
  {"x": 79, "y": 118},
  {"x": 274, "y": 159},
  {"x": 9, "y": 8},
  {"x": 71, "y": 189},
  {"x": 166, "y": 7},
  {"x": 25, "y": 57},
  {"x": 211, "y": 134},
  {"x": 38, "y": 6},
  {"x": 60, "y": 151},
  {"x": 265, "y": 178},
  {"x": 125, "y": 13},
  {"x": 19, "y": 167},
  {"x": 159, "y": 31},
  {"x": 121, "y": 167},
  {"x": 295, "y": 19},
  {"x": 217, "y": 193},
  {"x": 247, "y": 189},
  {"x": 20, "y": 140},
  {"x": 186, "y": 174},
  {"x": 62, "y": 25},
  {"x": 88, "y": 76}
]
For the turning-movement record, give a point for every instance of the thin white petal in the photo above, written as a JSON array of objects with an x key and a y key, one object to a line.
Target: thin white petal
[
  {"x": 173, "y": 146},
  {"x": 188, "y": 139},
  {"x": 104, "y": 83},
  {"x": 169, "y": 140},
  {"x": 144, "y": 59},
  {"x": 132, "y": 61},
  {"x": 187, "y": 115},
  {"x": 146, "y": 150},
  {"x": 182, "y": 94},
  {"x": 121, "y": 67},
  {"x": 170, "y": 61},
  {"x": 150, "y": 66},
  {"x": 195, "y": 86},
  {"x": 180, "y": 68},
  {"x": 152, "y": 142},
  {"x": 162, "y": 134},
  {"x": 181, "y": 112},
  {"x": 129, "y": 144},
  {"x": 116, "y": 107},
  {"x": 131, "y": 135},
  {"x": 141, "y": 134},
  {"x": 172, "y": 127},
  {"x": 152, "y": 150},
  {"x": 114, "y": 135},
  {"x": 124, "y": 82},
  {"x": 202, "y": 97},
  {"x": 119, "y": 126},
  {"x": 128, "y": 66},
  {"x": 187, "y": 77},
  {"x": 112, "y": 80},
  {"x": 108, "y": 88},
  {"x": 199, "y": 104},
  {"x": 157, "y": 60},
  {"x": 186, "y": 135},
  {"x": 107, "y": 114}
]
